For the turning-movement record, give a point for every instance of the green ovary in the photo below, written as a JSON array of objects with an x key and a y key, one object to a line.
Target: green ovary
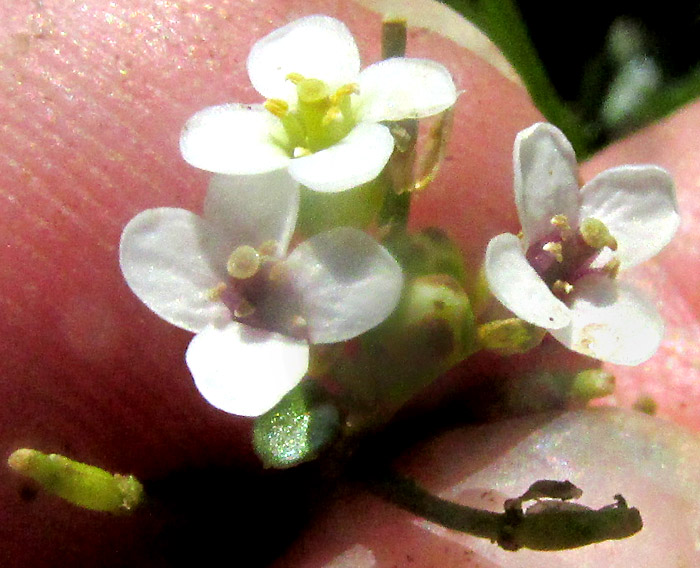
[{"x": 320, "y": 119}]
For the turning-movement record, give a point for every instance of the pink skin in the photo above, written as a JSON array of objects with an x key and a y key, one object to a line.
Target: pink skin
[{"x": 94, "y": 95}]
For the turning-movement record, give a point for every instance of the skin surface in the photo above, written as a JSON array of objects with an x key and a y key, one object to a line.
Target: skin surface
[{"x": 93, "y": 96}]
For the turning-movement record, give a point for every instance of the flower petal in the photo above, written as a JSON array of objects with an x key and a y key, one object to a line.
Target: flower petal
[
  {"x": 518, "y": 287},
  {"x": 234, "y": 139},
  {"x": 402, "y": 87},
  {"x": 356, "y": 159},
  {"x": 611, "y": 321},
  {"x": 170, "y": 259},
  {"x": 245, "y": 371},
  {"x": 638, "y": 205},
  {"x": 546, "y": 181},
  {"x": 254, "y": 209},
  {"x": 348, "y": 283},
  {"x": 316, "y": 47}
]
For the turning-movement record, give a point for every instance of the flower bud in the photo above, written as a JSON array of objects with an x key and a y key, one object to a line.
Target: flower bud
[{"x": 83, "y": 485}]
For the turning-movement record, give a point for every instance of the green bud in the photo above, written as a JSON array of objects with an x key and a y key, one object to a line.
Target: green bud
[
  {"x": 298, "y": 428},
  {"x": 83, "y": 485},
  {"x": 436, "y": 312},
  {"x": 510, "y": 336},
  {"x": 590, "y": 384},
  {"x": 431, "y": 330},
  {"x": 646, "y": 404}
]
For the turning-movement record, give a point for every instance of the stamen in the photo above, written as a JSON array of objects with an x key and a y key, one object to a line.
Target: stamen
[
  {"x": 269, "y": 248},
  {"x": 612, "y": 268},
  {"x": 300, "y": 152},
  {"x": 295, "y": 78},
  {"x": 278, "y": 107},
  {"x": 561, "y": 222},
  {"x": 297, "y": 327},
  {"x": 344, "y": 91},
  {"x": 555, "y": 249},
  {"x": 243, "y": 263},
  {"x": 596, "y": 235},
  {"x": 278, "y": 271},
  {"x": 333, "y": 114},
  {"x": 214, "y": 294},
  {"x": 244, "y": 310},
  {"x": 562, "y": 287}
]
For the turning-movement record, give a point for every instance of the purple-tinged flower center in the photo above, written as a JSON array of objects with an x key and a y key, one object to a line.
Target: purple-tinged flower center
[
  {"x": 563, "y": 256},
  {"x": 260, "y": 293}
]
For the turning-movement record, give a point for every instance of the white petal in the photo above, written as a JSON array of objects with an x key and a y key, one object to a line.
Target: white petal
[
  {"x": 638, "y": 205},
  {"x": 234, "y": 139},
  {"x": 356, "y": 159},
  {"x": 518, "y": 287},
  {"x": 245, "y": 371},
  {"x": 348, "y": 283},
  {"x": 317, "y": 47},
  {"x": 611, "y": 321},
  {"x": 546, "y": 181},
  {"x": 170, "y": 259},
  {"x": 401, "y": 87},
  {"x": 254, "y": 209}
]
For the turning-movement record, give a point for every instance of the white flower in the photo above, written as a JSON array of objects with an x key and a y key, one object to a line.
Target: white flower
[
  {"x": 224, "y": 277},
  {"x": 321, "y": 115},
  {"x": 560, "y": 273}
]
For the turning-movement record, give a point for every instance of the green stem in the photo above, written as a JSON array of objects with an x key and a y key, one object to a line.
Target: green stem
[
  {"x": 502, "y": 22},
  {"x": 399, "y": 171},
  {"x": 410, "y": 496},
  {"x": 555, "y": 525}
]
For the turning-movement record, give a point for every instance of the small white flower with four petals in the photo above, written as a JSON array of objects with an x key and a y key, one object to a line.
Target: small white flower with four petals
[
  {"x": 225, "y": 277},
  {"x": 322, "y": 114},
  {"x": 560, "y": 273}
]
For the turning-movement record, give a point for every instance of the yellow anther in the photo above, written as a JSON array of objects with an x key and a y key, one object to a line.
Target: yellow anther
[
  {"x": 561, "y": 222},
  {"x": 333, "y": 114},
  {"x": 243, "y": 263},
  {"x": 214, "y": 294},
  {"x": 298, "y": 324},
  {"x": 295, "y": 78},
  {"x": 596, "y": 235},
  {"x": 344, "y": 91},
  {"x": 300, "y": 152},
  {"x": 612, "y": 268},
  {"x": 269, "y": 248},
  {"x": 278, "y": 272},
  {"x": 562, "y": 287},
  {"x": 312, "y": 91},
  {"x": 244, "y": 310},
  {"x": 555, "y": 249},
  {"x": 278, "y": 107}
]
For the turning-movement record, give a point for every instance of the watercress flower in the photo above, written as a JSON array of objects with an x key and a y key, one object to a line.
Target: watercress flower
[
  {"x": 321, "y": 118},
  {"x": 225, "y": 276},
  {"x": 560, "y": 273}
]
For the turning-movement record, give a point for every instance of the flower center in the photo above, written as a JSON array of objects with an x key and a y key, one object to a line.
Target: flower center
[
  {"x": 320, "y": 119},
  {"x": 564, "y": 255},
  {"x": 259, "y": 291}
]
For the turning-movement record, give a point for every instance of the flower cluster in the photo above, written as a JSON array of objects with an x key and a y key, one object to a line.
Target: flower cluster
[
  {"x": 259, "y": 300},
  {"x": 226, "y": 276}
]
